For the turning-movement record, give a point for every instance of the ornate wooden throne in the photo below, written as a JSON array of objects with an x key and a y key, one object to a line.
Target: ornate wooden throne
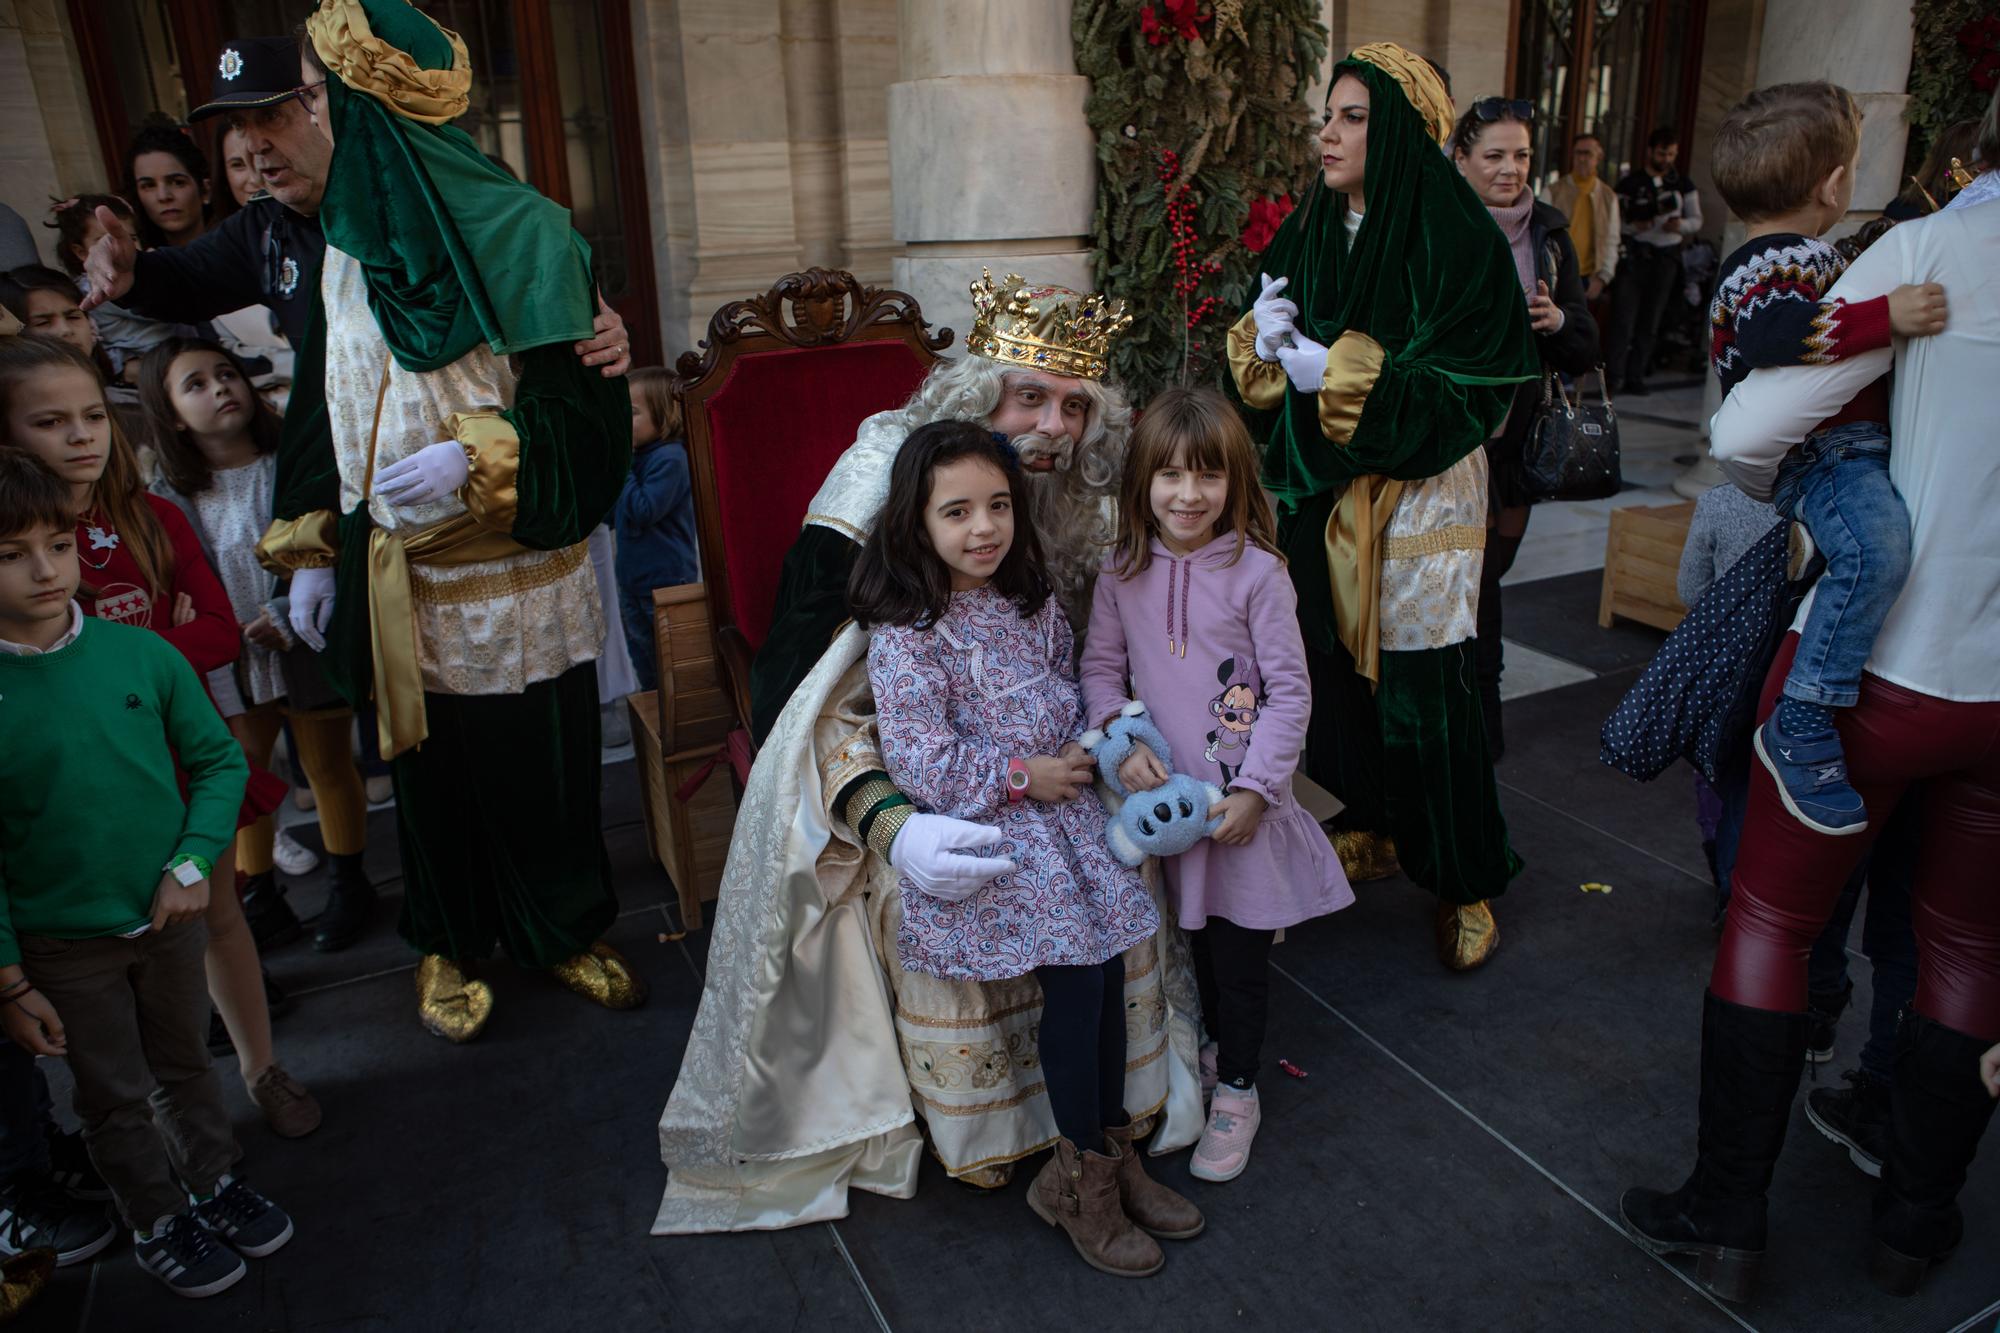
[{"x": 771, "y": 398}]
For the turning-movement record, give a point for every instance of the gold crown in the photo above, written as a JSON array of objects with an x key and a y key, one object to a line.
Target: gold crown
[{"x": 1044, "y": 328}]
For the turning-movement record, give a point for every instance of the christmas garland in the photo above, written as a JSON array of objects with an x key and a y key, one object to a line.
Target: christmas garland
[
  {"x": 1956, "y": 68},
  {"x": 1204, "y": 138}
]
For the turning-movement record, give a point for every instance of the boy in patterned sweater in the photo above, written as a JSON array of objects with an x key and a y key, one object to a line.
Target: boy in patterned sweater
[{"x": 1785, "y": 160}]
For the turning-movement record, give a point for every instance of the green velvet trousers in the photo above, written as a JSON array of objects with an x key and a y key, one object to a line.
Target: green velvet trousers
[
  {"x": 499, "y": 821},
  {"x": 1410, "y": 760}
]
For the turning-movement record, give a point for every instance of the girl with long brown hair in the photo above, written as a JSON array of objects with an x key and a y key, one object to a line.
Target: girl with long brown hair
[
  {"x": 1195, "y": 610},
  {"x": 143, "y": 565}
]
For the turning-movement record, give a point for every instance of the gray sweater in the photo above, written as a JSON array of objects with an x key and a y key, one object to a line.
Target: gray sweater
[{"x": 1726, "y": 524}]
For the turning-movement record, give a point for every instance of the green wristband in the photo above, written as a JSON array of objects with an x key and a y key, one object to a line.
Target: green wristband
[{"x": 200, "y": 863}]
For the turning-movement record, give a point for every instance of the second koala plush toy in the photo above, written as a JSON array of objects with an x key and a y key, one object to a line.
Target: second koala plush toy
[{"x": 1165, "y": 821}]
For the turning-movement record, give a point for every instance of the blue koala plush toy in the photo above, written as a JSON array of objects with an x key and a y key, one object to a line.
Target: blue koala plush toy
[{"x": 1165, "y": 821}]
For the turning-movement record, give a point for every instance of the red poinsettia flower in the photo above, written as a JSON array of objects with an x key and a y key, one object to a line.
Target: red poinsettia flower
[
  {"x": 1183, "y": 19},
  {"x": 1149, "y": 26},
  {"x": 1986, "y": 71},
  {"x": 1265, "y": 215}
]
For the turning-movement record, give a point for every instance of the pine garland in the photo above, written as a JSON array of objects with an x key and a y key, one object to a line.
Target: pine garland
[
  {"x": 1956, "y": 66},
  {"x": 1204, "y": 138}
]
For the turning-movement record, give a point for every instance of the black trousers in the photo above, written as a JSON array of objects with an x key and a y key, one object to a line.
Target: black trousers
[
  {"x": 1083, "y": 1048},
  {"x": 24, "y": 1114},
  {"x": 1232, "y": 968},
  {"x": 1647, "y": 277}
]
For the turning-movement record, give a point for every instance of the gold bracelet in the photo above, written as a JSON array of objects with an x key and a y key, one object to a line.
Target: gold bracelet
[
  {"x": 870, "y": 794},
  {"x": 882, "y": 833}
]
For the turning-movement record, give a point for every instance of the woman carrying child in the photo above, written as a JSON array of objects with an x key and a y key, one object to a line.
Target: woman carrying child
[
  {"x": 1226, "y": 685},
  {"x": 972, "y": 664}
]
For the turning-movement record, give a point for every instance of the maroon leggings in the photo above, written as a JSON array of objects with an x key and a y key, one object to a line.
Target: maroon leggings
[{"x": 1788, "y": 877}]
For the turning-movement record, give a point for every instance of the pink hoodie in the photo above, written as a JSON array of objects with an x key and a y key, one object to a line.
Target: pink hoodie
[{"x": 1213, "y": 649}]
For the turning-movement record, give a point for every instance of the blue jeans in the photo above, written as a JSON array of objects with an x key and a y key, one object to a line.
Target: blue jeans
[
  {"x": 636, "y": 616},
  {"x": 1887, "y": 937},
  {"x": 1837, "y": 484}
]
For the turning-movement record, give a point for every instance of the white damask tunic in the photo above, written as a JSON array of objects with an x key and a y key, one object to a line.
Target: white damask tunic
[{"x": 492, "y": 627}]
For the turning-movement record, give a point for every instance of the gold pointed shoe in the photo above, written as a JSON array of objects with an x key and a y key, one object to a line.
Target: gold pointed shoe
[
  {"x": 602, "y": 976},
  {"x": 22, "y": 1277},
  {"x": 1366, "y": 856},
  {"x": 1466, "y": 936},
  {"x": 449, "y": 1004}
]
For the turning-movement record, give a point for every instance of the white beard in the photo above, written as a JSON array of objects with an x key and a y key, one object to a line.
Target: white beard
[{"x": 1077, "y": 522}]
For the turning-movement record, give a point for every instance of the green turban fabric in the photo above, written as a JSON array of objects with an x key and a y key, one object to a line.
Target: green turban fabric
[{"x": 1428, "y": 277}]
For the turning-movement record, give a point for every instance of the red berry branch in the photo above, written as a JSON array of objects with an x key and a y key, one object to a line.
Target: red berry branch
[{"x": 1190, "y": 269}]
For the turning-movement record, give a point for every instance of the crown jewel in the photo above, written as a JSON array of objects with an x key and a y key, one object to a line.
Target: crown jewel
[{"x": 1045, "y": 328}]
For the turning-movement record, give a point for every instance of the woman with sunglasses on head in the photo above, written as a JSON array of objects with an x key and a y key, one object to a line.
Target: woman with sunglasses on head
[
  {"x": 1383, "y": 350},
  {"x": 1493, "y": 150}
]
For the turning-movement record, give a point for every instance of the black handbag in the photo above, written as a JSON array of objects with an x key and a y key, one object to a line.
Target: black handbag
[{"x": 1571, "y": 451}]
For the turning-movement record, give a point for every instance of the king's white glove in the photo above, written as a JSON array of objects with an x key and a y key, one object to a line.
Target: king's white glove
[
  {"x": 930, "y": 850},
  {"x": 1305, "y": 363},
  {"x": 312, "y": 606},
  {"x": 431, "y": 473},
  {"x": 1274, "y": 316}
]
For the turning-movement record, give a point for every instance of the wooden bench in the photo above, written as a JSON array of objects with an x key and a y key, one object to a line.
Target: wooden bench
[{"x": 1642, "y": 559}]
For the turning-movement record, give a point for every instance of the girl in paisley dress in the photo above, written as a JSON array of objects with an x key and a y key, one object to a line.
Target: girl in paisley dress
[{"x": 973, "y": 668}]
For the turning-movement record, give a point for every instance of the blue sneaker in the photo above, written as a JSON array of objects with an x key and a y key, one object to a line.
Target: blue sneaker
[{"x": 1812, "y": 779}]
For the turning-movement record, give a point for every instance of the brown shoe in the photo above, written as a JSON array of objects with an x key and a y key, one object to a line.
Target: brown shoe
[
  {"x": 1466, "y": 936},
  {"x": 1366, "y": 856},
  {"x": 288, "y": 1108},
  {"x": 1078, "y": 1191},
  {"x": 1151, "y": 1205}
]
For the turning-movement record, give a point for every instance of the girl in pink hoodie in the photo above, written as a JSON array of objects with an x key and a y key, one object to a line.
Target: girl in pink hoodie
[{"x": 1195, "y": 616}]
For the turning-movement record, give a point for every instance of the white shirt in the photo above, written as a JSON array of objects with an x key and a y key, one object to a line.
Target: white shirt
[
  {"x": 1942, "y": 637},
  {"x": 68, "y": 638}
]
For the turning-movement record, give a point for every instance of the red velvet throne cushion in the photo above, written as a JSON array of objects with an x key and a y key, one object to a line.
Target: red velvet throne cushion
[{"x": 775, "y": 428}]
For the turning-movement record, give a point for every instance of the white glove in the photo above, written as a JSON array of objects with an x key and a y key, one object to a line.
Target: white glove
[
  {"x": 1275, "y": 317},
  {"x": 1305, "y": 362},
  {"x": 929, "y": 849},
  {"x": 312, "y": 606},
  {"x": 431, "y": 473}
]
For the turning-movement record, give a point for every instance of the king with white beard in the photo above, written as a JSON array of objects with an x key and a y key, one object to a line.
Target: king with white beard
[{"x": 814, "y": 1054}]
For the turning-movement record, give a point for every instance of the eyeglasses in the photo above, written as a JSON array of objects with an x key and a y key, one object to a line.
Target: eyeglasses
[
  {"x": 305, "y": 91},
  {"x": 1489, "y": 109}
]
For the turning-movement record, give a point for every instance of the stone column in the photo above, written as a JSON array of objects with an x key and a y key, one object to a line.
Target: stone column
[
  {"x": 990, "y": 160},
  {"x": 48, "y": 140}
]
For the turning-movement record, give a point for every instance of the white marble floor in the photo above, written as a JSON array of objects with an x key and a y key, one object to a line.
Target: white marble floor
[{"x": 1658, "y": 434}]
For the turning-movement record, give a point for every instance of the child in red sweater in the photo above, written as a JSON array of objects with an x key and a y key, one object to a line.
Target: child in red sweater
[{"x": 1785, "y": 160}]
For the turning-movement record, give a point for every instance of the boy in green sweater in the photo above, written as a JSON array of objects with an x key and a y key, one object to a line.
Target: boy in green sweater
[{"x": 103, "y": 882}]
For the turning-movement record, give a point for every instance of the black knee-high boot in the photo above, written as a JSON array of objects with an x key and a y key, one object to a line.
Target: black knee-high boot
[
  {"x": 1938, "y": 1110},
  {"x": 1750, "y": 1064}
]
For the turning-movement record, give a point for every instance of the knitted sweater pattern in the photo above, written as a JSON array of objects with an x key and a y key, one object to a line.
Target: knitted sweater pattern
[{"x": 1768, "y": 310}]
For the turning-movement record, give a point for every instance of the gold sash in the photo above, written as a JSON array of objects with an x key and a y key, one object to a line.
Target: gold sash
[{"x": 1354, "y": 563}]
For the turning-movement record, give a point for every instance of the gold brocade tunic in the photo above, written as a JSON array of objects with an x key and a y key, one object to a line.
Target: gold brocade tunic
[{"x": 490, "y": 627}]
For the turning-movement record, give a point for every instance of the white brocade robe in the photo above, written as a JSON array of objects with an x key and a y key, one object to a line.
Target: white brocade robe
[
  {"x": 491, "y": 627},
  {"x": 814, "y": 1055}
]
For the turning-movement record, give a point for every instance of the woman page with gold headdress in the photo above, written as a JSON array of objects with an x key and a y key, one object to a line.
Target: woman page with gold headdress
[{"x": 1381, "y": 490}]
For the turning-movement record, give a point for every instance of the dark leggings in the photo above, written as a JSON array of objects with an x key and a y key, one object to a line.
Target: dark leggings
[
  {"x": 1083, "y": 1048},
  {"x": 1232, "y": 966},
  {"x": 1788, "y": 878}
]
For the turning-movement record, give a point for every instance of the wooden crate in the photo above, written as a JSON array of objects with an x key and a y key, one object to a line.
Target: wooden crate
[
  {"x": 1642, "y": 559},
  {"x": 690, "y": 839},
  {"x": 694, "y": 708}
]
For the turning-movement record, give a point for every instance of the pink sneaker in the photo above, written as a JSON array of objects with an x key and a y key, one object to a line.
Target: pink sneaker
[
  {"x": 1224, "y": 1149},
  {"x": 1208, "y": 1075}
]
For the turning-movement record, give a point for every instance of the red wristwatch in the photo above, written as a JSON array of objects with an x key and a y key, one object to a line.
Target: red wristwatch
[{"x": 1017, "y": 781}]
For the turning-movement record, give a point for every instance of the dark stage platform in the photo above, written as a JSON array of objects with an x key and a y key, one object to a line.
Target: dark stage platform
[{"x": 1453, "y": 1161}]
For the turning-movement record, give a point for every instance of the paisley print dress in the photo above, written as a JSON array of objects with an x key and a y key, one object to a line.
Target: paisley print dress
[{"x": 954, "y": 702}]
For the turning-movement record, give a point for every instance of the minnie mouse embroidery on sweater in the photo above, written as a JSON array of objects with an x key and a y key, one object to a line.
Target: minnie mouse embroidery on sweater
[{"x": 1235, "y": 711}]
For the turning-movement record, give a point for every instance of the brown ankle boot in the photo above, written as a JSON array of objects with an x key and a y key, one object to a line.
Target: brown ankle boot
[
  {"x": 1151, "y": 1205},
  {"x": 1078, "y": 1191}
]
